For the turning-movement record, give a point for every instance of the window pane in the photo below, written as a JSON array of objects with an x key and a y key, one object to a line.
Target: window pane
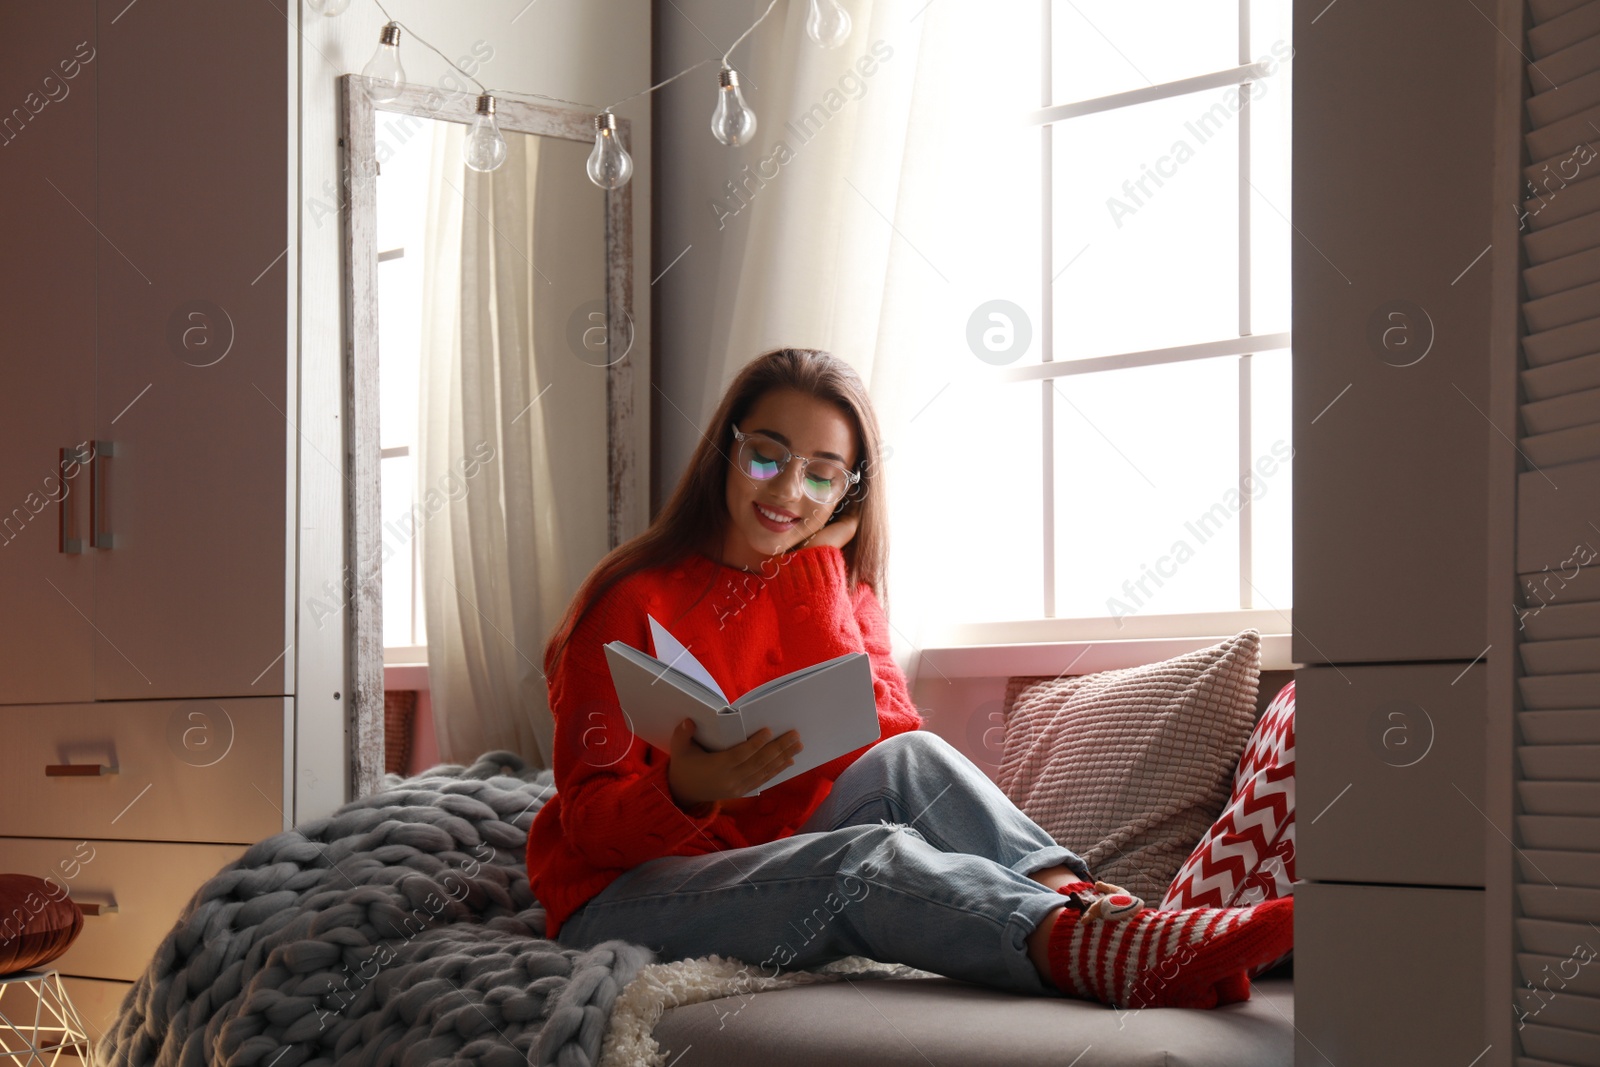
[
  {"x": 975, "y": 454},
  {"x": 1146, "y": 226},
  {"x": 1269, "y": 28},
  {"x": 1270, "y": 232},
  {"x": 1272, "y": 483},
  {"x": 1102, "y": 47},
  {"x": 397, "y": 488},
  {"x": 399, "y": 348},
  {"x": 402, "y": 214},
  {"x": 1147, "y": 496},
  {"x": 967, "y": 228}
]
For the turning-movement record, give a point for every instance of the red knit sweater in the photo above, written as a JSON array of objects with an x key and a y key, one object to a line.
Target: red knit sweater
[{"x": 613, "y": 809}]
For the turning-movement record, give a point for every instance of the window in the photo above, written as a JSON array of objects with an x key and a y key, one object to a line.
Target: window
[
  {"x": 1159, "y": 380},
  {"x": 401, "y": 216}
]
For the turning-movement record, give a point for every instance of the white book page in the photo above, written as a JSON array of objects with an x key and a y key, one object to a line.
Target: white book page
[
  {"x": 788, "y": 679},
  {"x": 669, "y": 651}
]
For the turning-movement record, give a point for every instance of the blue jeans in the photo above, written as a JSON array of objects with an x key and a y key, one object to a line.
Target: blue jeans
[{"x": 915, "y": 857}]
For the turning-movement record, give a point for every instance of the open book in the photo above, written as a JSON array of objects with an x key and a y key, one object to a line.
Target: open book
[{"x": 830, "y": 704}]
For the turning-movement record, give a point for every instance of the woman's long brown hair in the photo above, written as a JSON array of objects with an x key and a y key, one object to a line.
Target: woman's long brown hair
[{"x": 695, "y": 519}]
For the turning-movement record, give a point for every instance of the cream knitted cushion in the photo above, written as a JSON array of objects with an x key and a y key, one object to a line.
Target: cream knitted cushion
[{"x": 1129, "y": 768}]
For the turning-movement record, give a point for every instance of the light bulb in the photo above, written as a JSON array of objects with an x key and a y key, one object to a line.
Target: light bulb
[
  {"x": 388, "y": 77},
  {"x": 609, "y": 164},
  {"x": 329, "y": 8},
  {"x": 828, "y": 24},
  {"x": 733, "y": 122},
  {"x": 486, "y": 149}
]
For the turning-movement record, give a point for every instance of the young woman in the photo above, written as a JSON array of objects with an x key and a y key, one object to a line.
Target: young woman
[{"x": 769, "y": 557}]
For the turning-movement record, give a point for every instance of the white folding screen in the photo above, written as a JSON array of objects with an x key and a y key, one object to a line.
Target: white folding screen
[{"x": 1557, "y": 787}]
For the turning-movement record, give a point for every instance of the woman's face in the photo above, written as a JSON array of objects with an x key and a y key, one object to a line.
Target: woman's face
[{"x": 807, "y": 427}]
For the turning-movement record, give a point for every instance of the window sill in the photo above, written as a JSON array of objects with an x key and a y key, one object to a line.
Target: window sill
[
  {"x": 1086, "y": 646},
  {"x": 405, "y": 667}
]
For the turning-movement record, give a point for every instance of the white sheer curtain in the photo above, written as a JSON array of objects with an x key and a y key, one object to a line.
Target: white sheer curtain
[
  {"x": 909, "y": 199},
  {"x": 493, "y": 560}
]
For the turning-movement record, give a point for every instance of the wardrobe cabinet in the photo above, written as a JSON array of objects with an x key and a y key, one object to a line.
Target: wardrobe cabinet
[
  {"x": 1393, "y": 274},
  {"x": 190, "y": 371},
  {"x": 1392, "y": 150},
  {"x": 175, "y": 770},
  {"x": 1387, "y": 974},
  {"x": 1389, "y": 774},
  {"x": 147, "y": 333},
  {"x": 145, "y": 650},
  {"x": 47, "y": 351}
]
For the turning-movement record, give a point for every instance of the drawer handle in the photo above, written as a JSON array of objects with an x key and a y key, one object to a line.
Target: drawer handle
[
  {"x": 99, "y": 481},
  {"x": 77, "y": 770},
  {"x": 68, "y": 513},
  {"x": 96, "y": 909}
]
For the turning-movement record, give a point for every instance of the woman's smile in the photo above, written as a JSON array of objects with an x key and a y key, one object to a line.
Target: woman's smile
[{"x": 768, "y": 518}]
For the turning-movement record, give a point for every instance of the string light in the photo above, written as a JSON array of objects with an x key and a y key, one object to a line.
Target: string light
[
  {"x": 389, "y": 77},
  {"x": 827, "y": 23},
  {"x": 486, "y": 149},
  {"x": 609, "y": 166},
  {"x": 732, "y": 122}
]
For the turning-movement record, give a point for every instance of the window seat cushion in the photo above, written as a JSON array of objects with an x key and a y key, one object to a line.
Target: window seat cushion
[{"x": 911, "y": 1022}]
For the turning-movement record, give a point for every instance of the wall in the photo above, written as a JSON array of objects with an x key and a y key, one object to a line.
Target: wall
[
  {"x": 690, "y": 175},
  {"x": 595, "y": 51}
]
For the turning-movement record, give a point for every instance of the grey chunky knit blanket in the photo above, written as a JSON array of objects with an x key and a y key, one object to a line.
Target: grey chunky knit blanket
[{"x": 400, "y": 930}]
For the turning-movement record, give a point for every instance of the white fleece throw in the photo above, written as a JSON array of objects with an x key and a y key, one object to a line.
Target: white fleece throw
[{"x": 659, "y": 986}]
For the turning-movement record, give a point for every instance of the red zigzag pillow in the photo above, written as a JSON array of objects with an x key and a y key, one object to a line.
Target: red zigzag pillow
[{"x": 1248, "y": 854}]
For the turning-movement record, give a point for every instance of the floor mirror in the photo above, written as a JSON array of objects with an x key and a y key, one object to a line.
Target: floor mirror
[{"x": 490, "y": 351}]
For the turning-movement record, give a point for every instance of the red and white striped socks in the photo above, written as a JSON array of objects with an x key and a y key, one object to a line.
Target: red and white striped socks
[{"x": 1194, "y": 958}]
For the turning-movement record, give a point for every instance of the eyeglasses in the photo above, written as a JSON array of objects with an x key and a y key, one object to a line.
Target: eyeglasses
[{"x": 761, "y": 459}]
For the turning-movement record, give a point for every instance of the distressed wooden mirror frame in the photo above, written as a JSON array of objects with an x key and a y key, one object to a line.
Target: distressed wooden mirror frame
[{"x": 364, "y": 591}]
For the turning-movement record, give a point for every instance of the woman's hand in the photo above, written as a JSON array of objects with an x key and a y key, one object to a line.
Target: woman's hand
[
  {"x": 837, "y": 534},
  {"x": 698, "y": 777}
]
